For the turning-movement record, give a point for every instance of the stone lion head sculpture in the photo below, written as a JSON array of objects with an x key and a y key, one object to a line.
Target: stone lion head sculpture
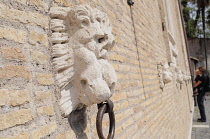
[
  {"x": 81, "y": 39},
  {"x": 165, "y": 76},
  {"x": 179, "y": 75}
]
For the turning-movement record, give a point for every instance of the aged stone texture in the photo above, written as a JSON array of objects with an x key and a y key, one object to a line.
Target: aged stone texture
[
  {"x": 11, "y": 71},
  {"x": 20, "y": 136},
  {"x": 79, "y": 56},
  {"x": 35, "y": 37},
  {"x": 60, "y": 136},
  {"x": 12, "y": 53},
  {"x": 43, "y": 96},
  {"x": 12, "y": 34},
  {"x": 40, "y": 4},
  {"x": 39, "y": 57},
  {"x": 45, "y": 110},
  {"x": 23, "y": 16},
  {"x": 4, "y": 97},
  {"x": 44, "y": 78},
  {"x": 22, "y": 1},
  {"x": 14, "y": 118},
  {"x": 43, "y": 131},
  {"x": 70, "y": 134},
  {"x": 13, "y": 97},
  {"x": 63, "y": 2}
]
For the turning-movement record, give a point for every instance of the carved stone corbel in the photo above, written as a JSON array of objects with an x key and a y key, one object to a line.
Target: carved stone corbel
[
  {"x": 179, "y": 75},
  {"x": 81, "y": 39},
  {"x": 165, "y": 76},
  {"x": 185, "y": 78}
]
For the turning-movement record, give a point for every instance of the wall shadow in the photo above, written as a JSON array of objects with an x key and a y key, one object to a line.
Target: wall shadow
[{"x": 78, "y": 122}]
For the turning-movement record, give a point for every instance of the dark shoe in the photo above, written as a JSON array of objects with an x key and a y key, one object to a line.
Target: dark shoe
[{"x": 201, "y": 120}]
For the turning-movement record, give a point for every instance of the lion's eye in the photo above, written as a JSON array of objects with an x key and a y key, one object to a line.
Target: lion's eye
[
  {"x": 85, "y": 22},
  {"x": 98, "y": 19}
]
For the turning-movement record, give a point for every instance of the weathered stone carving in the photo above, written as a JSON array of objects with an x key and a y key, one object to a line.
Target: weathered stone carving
[
  {"x": 81, "y": 39},
  {"x": 179, "y": 75},
  {"x": 160, "y": 70},
  {"x": 165, "y": 75},
  {"x": 189, "y": 78},
  {"x": 186, "y": 78}
]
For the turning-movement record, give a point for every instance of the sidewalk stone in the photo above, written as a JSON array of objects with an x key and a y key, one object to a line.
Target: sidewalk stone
[{"x": 201, "y": 132}]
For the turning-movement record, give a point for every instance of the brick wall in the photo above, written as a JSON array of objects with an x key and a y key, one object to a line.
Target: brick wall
[{"x": 29, "y": 102}]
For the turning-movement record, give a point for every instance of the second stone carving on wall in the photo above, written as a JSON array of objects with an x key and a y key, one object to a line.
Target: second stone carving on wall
[
  {"x": 165, "y": 76},
  {"x": 168, "y": 73}
]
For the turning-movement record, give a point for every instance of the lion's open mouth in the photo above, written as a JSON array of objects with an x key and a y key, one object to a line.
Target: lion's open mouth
[{"x": 103, "y": 39}]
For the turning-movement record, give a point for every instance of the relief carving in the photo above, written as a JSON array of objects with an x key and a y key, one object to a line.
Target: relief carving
[
  {"x": 81, "y": 39},
  {"x": 186, "y": 78},
  {"x": 180, "y": 77},
  {"x": 165, "y": 75}
]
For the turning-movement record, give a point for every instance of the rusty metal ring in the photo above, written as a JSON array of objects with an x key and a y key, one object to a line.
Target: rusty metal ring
[
  {"x": 102, "y": 109},
  {"x": 110, "y": 106}
]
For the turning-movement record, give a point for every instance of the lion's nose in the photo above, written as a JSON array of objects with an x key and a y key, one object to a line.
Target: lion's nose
[{"x": 84, "y": 83}]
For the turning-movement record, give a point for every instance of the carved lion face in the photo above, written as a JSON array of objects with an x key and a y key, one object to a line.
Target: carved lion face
[
  {"x": 81, "y": 41},
  {"x": 92, "y": 29}
]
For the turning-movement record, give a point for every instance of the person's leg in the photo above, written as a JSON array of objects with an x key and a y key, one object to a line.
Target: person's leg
[
  {"x": 201, "y": 107},
  {"x": 199, "y": 104}
]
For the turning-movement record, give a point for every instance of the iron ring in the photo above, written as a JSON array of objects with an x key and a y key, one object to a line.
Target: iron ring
[{"x": 103, "y": 108}]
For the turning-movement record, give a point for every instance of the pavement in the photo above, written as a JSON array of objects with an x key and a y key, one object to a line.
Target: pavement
[{"x": 201, "y": 130}]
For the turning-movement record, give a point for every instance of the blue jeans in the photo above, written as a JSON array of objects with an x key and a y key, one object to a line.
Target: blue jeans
[{"x": 200, "y": 100}]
